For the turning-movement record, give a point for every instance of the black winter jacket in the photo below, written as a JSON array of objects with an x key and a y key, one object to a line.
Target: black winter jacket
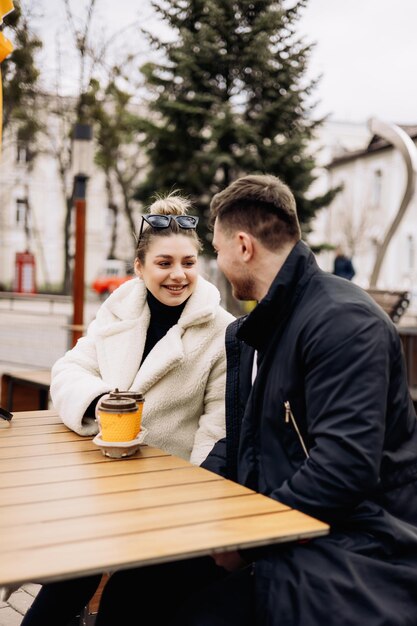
[{"x": 328, "y": 428}]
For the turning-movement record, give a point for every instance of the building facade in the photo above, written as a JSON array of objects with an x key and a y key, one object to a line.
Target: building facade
[
  {"x": 33, "y": 200},
  {"x": 374, "y": 178}
]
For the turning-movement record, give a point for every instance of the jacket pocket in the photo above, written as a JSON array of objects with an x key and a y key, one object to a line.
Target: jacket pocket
[{"x": 290, "y": 419}]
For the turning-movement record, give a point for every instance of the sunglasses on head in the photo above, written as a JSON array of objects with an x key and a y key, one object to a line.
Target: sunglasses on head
[{"x": 188, "y": 222}]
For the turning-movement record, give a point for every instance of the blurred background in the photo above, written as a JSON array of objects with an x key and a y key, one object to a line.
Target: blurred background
[{"x": 107, "y": 103}]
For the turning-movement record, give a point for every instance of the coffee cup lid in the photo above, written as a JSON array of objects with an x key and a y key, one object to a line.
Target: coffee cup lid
[
  {"x": 118, "y": 404},
  {"x": 135, "y": 395}
]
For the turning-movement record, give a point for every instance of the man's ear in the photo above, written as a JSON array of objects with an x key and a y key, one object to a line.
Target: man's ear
[{"x": 246, "y": 245}]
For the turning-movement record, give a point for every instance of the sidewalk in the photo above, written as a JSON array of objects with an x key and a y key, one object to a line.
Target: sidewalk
[{"x": 12, "y": 612}]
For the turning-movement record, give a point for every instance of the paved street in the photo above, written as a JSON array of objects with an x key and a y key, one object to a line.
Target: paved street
[
  {"x": 12, "y": 612},
  {"x": 34, "y": 333}
]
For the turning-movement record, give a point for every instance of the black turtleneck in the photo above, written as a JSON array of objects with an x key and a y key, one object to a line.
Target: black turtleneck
[{"x": 162, "y": 318}]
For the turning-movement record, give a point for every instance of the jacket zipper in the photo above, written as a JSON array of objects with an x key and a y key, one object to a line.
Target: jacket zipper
[{"x": 290, "y": 417}]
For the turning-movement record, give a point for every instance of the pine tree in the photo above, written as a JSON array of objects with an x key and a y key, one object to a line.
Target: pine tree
[{"x": 230, "y": 97}]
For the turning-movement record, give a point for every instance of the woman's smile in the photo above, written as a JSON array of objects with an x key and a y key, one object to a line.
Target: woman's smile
[{"x": 175, "y": 287}]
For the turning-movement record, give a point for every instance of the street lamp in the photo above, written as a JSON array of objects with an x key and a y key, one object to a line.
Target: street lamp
[{"x": 82, "y": 160}]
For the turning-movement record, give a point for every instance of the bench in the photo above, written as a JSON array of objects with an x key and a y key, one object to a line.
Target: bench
[
  {"x": 408, "y": 336},
  {"x": 394, "y": 303},
  {"x": 25, "y": 390}
]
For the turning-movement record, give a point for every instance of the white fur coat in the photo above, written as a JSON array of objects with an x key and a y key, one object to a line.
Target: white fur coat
[{"x": 182, "y": 378}]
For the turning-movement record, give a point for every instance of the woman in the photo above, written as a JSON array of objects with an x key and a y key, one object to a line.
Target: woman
[{"x": 160, "y": 334}]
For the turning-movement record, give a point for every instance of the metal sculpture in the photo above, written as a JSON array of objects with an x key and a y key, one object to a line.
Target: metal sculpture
[{"x": 400, "y": 140}]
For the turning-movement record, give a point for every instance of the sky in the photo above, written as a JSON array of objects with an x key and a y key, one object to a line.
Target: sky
[{"x": 365, "y": 51}]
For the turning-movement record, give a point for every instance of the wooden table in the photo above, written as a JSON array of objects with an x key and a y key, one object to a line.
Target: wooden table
[
  {"x": 25, "y": 390},
  {"x": 67, "y": 510}
]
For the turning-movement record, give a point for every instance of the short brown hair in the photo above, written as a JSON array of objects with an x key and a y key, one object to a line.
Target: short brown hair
[
  {"x": 260, "y": 204},
  {"x": 170, "y": 204}
]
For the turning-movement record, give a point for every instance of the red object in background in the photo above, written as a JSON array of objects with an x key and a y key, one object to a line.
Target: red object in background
[
  {"x": 25, "y": 272},
  {"x": 112, "y": 275},
  {"x": 107, "y": 284}
]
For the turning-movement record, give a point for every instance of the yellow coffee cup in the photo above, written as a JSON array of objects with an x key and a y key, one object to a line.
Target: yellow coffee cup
[
  {"x": 119, "y": 418},
  {"x": 132, "y": 395}
]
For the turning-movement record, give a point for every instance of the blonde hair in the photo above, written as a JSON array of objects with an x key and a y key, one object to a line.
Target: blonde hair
[{"x": 172, "y": 203}]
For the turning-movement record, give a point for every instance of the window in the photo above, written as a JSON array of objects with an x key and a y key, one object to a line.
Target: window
[
  {"x": 377, "y": 189},
  {"x": 21, "y": 211},
  {"x": 22, "y": 154},
  {"x": 410, "y": 253},
  {"x": 111, "y": 216}
]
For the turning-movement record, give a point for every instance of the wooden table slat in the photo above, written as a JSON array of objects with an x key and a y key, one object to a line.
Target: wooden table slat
[
  {"x": 30, "y": 420},
  {"x": 110, "y": 484},
  {"x": 40, "y": 438},
  {"x": 80, "y": 457},
  {"x": 125, "y": 501},
  {"x": 47, "y": 449},
  {"x": 89, "y": 472},
  {"x": 31, "y": 431}
]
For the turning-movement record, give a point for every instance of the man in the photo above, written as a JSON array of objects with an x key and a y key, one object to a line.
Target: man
[
  {"x": 319, "y": 417},
  {"x": 343, "y": 265}
]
